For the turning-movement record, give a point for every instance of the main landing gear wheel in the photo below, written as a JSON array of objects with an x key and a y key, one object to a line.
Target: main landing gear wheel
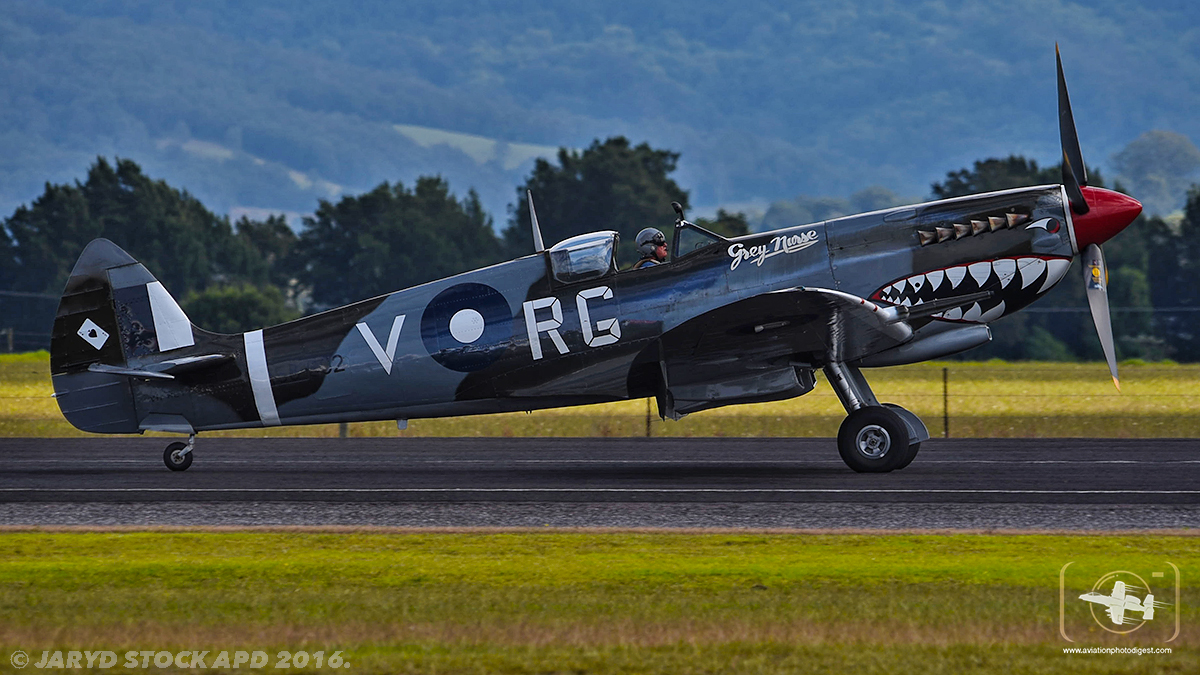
[
  {"x": 874, "y": 439},
  {"x": 176, "y": 458},
  {"x": 912, "y": 454}
]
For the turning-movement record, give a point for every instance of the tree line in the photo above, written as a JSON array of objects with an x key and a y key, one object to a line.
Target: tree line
[
  {"x": 234, "y": 276},
  {"x": 322, "y": 95}
]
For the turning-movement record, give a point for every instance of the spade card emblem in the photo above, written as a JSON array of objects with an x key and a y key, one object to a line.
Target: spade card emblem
[{"x": 93, "y": 334}]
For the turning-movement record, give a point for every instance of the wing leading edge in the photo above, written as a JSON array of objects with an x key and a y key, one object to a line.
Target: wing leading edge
[
  {"x": 764, "y": 347},
  {"x": 807, "y": 324}
]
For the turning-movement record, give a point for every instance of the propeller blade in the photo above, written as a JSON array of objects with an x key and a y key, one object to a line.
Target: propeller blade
[
  {"x": 1079, "y": 205},
  {"x": 1096, "y": 281},
  {"x": 1074, "y": 171},
  {"x": 1066, "y": 127},
  {"x": 538, "y": 246}
]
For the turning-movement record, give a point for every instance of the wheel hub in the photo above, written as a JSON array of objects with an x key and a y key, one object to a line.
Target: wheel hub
[{"x": 873, "y": 441}]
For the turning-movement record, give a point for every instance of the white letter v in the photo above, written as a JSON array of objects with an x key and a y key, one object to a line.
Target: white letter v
[{"x": 385, "y": 358}]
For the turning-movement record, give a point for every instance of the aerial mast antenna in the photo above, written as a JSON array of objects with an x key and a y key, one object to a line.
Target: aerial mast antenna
[{"x": 538, "y": 246}]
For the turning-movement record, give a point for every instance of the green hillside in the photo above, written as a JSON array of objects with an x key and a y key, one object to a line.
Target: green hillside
[{"x": 275, "y": 104}]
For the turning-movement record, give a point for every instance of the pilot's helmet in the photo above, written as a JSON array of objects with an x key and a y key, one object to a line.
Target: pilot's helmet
[{"x": 648, "y": 241}]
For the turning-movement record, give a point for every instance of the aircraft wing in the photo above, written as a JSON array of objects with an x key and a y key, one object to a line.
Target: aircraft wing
[
  {"x": 805, "y": 324},
  {"x": 1117, "y": 613}
]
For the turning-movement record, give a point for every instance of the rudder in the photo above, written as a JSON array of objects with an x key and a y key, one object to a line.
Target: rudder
[{"x": 113, "y": 315}]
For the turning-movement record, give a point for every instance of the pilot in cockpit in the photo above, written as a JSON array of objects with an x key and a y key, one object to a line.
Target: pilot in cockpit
[{"x": 653, "y": 246}]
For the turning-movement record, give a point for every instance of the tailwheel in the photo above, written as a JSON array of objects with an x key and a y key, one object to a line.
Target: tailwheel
[
  {"x": 178, "y": 456},
  {"x": 874, "y": 439}
]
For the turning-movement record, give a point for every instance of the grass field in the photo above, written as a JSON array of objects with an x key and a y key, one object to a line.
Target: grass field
[
  {"x": 983, "y": 400},
  {"x": 600, "y": 602}
]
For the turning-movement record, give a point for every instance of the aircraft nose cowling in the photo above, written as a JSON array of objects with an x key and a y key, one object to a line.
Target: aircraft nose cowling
[{"x": 1108, "y": 213}]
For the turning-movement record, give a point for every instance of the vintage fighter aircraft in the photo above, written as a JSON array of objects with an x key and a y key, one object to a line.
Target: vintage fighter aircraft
[{"x": 724, "y": 321}]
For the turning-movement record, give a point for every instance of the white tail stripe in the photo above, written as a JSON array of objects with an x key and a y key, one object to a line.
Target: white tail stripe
[
  {"x": 260, "y": 379},
  {"x": 172, "y": 326}
]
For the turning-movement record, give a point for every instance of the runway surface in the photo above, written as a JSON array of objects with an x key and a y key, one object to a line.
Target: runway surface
[{"x": 762, "y": 483}]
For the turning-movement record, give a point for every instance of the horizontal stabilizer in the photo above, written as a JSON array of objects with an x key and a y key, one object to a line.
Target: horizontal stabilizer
[
  {"x": 129, "y": 372},
  {"x": 166, "y": 370}
]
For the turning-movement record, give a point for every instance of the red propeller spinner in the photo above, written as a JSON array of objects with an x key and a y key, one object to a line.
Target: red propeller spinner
[{"x": 1108, "y": 213}]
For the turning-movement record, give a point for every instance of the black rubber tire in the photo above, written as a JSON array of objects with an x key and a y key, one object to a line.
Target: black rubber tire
[
  {"x": 912, "y": 454},
  {"x": 887, "y": 427},
  {"x": 169, "y": 460}
]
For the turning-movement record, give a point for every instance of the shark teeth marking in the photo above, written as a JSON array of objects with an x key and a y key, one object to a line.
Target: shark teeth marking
[
  {"x": 935, "y": 278},
  {"x": 993, "y": 313},
  {"x": 956, "y": 275},
  {"x": 1006, "y": 269},
  {"x": 1055, "y": 269},
  {"x": 981, "y": 271},
  {"x": 1031, "y": 270},
  {"x": 1037, "y": 275}
]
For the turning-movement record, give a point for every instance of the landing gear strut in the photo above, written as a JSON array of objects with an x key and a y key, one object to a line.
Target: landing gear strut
[
  {"x": 178, "y": 456},
  {"x": 873, "y": 438}
]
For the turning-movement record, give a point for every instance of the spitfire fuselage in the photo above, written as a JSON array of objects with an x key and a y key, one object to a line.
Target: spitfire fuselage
[{"x": 530, "y": 334}]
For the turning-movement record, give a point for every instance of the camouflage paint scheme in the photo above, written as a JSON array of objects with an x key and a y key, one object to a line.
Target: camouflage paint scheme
[{"x": 724, "y": 322}]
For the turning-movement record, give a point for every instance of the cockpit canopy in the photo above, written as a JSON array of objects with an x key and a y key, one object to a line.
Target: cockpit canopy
[
  {"x": 585, "y": 256},
  {"x": 690, "y": 238}
]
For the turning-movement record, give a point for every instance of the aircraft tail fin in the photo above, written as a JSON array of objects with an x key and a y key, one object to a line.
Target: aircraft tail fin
[
  {"x": 1148, "y": 607},
  {"x": 113, "y": 320}
]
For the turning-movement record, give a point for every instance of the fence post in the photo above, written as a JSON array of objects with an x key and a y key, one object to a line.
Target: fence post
[
  {"x": 647, "y": 417},
  {"x": 945, "y": 402},
  {"x": 343, "y": 430},
  {"x": 9, "y": 333}
]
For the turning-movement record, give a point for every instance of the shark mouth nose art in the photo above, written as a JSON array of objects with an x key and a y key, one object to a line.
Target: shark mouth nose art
[{"x": 1014, "y": 282}]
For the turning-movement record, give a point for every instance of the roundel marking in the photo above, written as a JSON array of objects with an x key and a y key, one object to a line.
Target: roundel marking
[{"x": 467, "y": 327}]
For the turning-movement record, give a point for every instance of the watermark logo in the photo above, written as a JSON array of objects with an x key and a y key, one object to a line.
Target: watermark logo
[
  {"x": 1120, "y": 602},
  {"x": 204, "y": 660}
]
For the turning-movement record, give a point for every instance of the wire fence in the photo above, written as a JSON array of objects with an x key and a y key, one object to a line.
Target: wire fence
[
  {"x": 25, "y": 320},
  {"x": 955, "y": 400},
  {"x": 16, "y": 341}
]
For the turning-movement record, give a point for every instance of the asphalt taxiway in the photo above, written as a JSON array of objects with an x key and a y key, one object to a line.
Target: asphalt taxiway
[{"x": 1060, "y": 484}]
